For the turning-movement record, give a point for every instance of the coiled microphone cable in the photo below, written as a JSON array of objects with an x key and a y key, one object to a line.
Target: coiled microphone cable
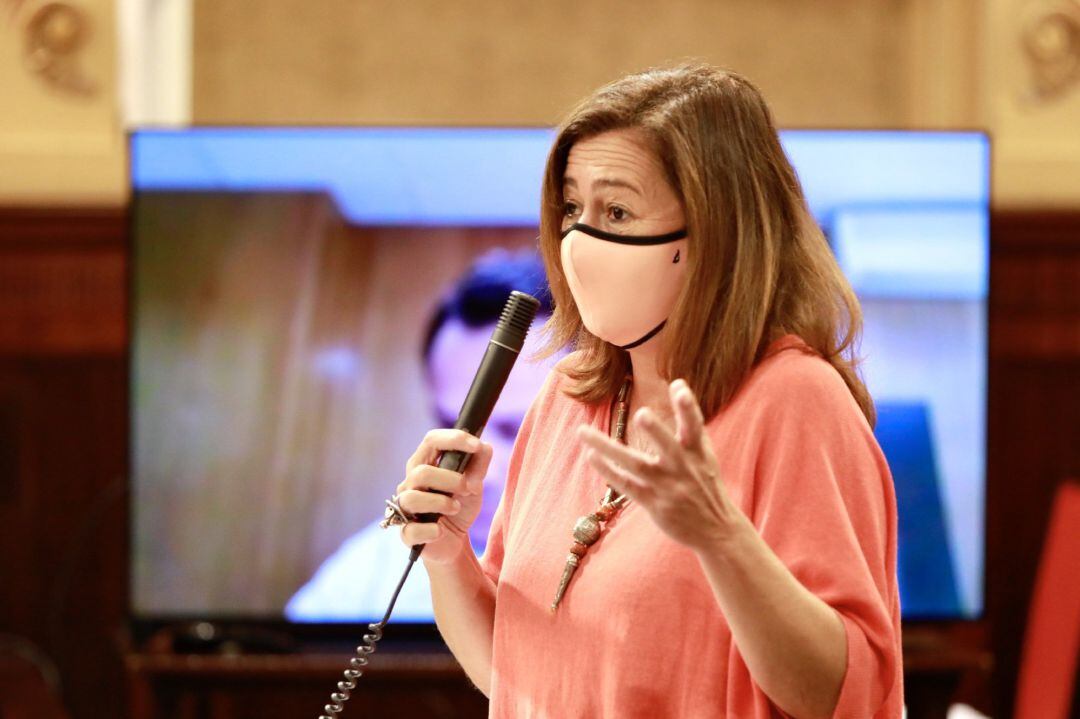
[
  {"x": 502, "y": 351},
  {"x": 365, "y": 650}
]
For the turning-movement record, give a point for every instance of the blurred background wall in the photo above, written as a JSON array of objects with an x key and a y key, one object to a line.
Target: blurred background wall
[
  {"x": 1008, "y": 66},
  {"x": 74, "y": 74}
]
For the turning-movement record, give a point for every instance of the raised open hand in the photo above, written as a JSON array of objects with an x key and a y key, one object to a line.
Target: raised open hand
[{"x": 679, "y": 486}]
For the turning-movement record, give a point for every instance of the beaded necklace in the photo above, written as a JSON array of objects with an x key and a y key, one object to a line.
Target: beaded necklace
[{"x": 588, "y": 527}]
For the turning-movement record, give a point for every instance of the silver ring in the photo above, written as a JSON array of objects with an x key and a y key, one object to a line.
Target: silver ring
[{"x": 394, "y": 514}]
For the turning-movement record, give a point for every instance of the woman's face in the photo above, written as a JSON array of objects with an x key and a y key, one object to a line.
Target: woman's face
[
  {"x": 623, "y": 250},
  {"x": 615, "y": 182}
]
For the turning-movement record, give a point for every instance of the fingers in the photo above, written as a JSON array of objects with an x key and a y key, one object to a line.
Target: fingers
[
  {"x": 477, "y": 468},
  {"x": 688, "y": 418},
  {"x": 416, "y": 493},
  {"x": 415, "y": 501},
  {"x": 634, "y": 461},
  {"x": 618, "y": 477},
  {"x": 441, "y": 440},
  {"x": 421, "y": 532},
  {"x": 426, "y": 532},
  {"x": 425, "y": 476},
  {"x": 645, "y": 421}
]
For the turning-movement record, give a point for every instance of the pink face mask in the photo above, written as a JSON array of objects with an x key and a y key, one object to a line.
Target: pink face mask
[{"x": 625, "y": 286}]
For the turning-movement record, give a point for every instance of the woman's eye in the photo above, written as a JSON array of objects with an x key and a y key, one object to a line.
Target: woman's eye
[
  {"x": 617, "y": 213},
  {"x": 570, "y": 209}
]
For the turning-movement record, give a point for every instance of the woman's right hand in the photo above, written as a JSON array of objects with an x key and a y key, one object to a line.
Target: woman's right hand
[{"x": 446, "y": 538}]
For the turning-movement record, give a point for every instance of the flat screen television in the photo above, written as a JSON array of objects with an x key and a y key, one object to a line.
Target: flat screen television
[{"x": 308, "y": 302}]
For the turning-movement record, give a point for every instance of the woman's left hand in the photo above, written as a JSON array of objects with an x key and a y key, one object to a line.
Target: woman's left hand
[{"x": 679, "y": 486}]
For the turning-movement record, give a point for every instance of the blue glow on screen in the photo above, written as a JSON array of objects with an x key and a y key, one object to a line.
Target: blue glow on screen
[
  {"x": 841, "y": 168},
  {"x": 492, "y": 176},
  {"x": 404, "y": 176},
  {"x": 931, "y": 251}
]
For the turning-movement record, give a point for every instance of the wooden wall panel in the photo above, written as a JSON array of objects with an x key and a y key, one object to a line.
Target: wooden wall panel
[
  {"x": 472, "y": 61},
  {"x": 63, "y": 549},
  {"x": 1034, "y": 413},
  {"x": 62, "y": 282},
  {"x": 63, "y": 429}
]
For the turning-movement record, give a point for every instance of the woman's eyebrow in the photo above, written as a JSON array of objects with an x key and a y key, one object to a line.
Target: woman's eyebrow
[
  {"x": 616, "y": 182},
  {"x": 605, "y": 182}
]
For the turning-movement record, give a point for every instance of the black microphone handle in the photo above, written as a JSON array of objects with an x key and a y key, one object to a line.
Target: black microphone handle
[
  {"x": 487, "y": 385},
  {"x": 476, "y": 410}
]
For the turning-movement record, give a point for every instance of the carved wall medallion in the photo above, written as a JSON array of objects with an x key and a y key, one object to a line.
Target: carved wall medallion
[
  {"x": 54, "y": 35},
  {"x": 1050, "y": 37}
]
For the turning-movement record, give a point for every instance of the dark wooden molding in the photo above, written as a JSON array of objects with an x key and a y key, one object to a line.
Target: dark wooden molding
[
  {"x": 1035, "y": 286},
  {"x": 63, "y": 226},
  {"x": 63, "y": 281}
]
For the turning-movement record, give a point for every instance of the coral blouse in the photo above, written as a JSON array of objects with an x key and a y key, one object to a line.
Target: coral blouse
[{"x": 639, "y": 632}]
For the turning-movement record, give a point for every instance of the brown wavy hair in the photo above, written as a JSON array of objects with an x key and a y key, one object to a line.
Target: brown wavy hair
[{"x": 761, "y": 265}]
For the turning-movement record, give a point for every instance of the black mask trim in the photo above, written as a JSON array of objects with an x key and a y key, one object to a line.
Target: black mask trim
[
  {"x": 625, "y": 239},
  {"x": 644, "y": 339}
]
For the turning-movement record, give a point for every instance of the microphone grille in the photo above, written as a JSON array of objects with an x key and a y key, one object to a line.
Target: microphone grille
[{"x": 516, "y": 318}]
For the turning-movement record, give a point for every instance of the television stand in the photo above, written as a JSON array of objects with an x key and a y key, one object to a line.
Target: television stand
[{"x": 404, "y": 679}]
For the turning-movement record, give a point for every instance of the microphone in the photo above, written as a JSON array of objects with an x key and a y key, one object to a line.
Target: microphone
[{"x": 502, "y": 351}]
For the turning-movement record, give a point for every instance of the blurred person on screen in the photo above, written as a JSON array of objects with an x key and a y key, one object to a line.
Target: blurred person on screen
[{"x": 355, "y": 583}]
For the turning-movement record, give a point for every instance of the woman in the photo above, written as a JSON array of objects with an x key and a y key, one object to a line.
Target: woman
[{"x": 735, "y": 553}]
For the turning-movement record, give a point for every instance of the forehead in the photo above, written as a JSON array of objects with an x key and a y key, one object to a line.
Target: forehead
[{"x": 624, "y": 154}]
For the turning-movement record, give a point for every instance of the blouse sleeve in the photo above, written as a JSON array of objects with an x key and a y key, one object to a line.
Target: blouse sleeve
[{"x": 824, "y": 502}]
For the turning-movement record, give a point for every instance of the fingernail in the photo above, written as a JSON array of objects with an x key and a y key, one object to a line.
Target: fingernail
[{"x": 456, "y": 506}]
